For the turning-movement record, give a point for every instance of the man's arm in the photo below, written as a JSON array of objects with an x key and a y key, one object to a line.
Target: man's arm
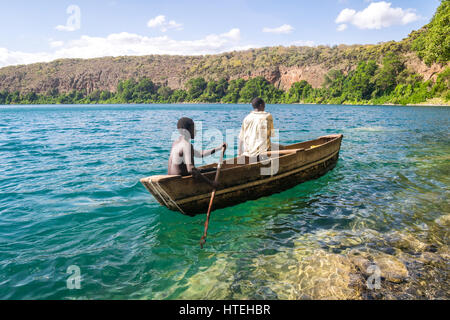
[
  {"x": 240, "y": 147},
  {"x": 241, "y": 140},
  {"x": 270, "y": 128}
]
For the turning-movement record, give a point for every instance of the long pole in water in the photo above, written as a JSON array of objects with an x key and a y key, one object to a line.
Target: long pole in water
[{"x": 219, "y": 166}]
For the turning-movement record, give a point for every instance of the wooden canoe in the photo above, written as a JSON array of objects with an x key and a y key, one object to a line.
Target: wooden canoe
[{"x": 296, "y": 163}]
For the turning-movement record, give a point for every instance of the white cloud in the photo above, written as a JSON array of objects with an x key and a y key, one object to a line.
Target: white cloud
[
  {"x": 65, "y": 28},
  {"x": 233, "y": 34},
  {"x": 164, "y": 25},
  {"x": 8, "y": 57},
  {"x": 284, "y": 29},
  {"x": 56, "y": 44},
  {"x": 126, "y": 44},
  {"x": 342, "y": 27},
  {"x": 156, "y": 22},
  {"x": 303, "y": 43},
  {"x": 376, "y": 16}
]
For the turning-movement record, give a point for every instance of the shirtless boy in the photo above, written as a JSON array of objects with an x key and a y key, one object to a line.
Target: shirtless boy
[{"x": 181, "y": 161}]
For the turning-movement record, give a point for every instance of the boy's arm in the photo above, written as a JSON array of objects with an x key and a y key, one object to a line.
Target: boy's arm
[
  {"x": 197, "y": 175},
  {"x": 206, "y": 153},
  {"x": 191, "y": 169}
]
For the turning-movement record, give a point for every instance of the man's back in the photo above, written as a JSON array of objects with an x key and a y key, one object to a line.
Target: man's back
[{"x": 257, "y": 128}]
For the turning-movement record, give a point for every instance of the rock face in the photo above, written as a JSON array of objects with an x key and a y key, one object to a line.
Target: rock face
[
  {"x": 280, "y": 65},
  {"x": 314, "y": 74},
  {"x": 92, "y": 74},
  {"x": 419, "y": 67},
  {"x": 283, "y": 77}
]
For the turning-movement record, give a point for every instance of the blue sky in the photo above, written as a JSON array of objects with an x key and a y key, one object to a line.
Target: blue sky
[{"x": 33, "y": 31}]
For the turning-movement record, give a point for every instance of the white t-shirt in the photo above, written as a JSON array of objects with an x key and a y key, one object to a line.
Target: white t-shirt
[{"x": 257, "y": 128}]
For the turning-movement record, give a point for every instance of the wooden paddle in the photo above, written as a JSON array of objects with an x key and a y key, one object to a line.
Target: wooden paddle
[{"x": 219, "y": 166}]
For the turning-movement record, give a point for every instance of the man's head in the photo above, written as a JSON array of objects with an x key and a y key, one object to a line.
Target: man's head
[
  {"x": 258, "y": 104},
  {"x": 186, "y": 125}
]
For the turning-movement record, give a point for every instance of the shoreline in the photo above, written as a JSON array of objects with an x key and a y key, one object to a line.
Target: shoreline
[{"x": 219, "y": 103}]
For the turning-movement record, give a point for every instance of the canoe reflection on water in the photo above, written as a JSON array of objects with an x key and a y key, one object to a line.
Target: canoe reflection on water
[{"x": 242, "y": 180}]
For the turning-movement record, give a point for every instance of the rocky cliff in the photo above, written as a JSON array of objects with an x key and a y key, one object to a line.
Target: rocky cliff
[{"x": 282, "y": 66}]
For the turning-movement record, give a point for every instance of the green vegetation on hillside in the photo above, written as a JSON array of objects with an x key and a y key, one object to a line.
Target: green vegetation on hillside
[
  {"x": 432, "y": 42},
  {"x": 369, "y": 83}
]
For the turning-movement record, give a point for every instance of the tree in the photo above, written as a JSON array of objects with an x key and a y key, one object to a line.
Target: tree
[
  {"x": 273, "y": 94},
  {"x": 432, "y": 43},
  {"x": 388, "y": 76},
  {"x": 195, "y": 86},
  {"x": 164, "y": 93},
  {"x": 3, "y": 95},
  {"x": 143, "y": 91},
  {"x": 31, "y": 97},
  {"x": 360, "y": 84},
  {"x": 334, "y": 81},
  {"x": 298, "y": 91},
  {"x": 253, "y": 88},
  {"x": 222, "y": 88},
  {"x": 233, "y": 91},
  {"x": 105, "y": 95},
  {"x": 210, "y": 93},
  {"x": 14, "y": 98},
  {"x": 80, "y": 95},
  {"x": 178, "y": 96},
  {"x": 94, "y": 96},
  {"x": 125, "y": 89}
]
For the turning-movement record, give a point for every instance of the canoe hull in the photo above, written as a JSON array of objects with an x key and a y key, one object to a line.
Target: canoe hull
[
  {"x": 254, "y": 192},
  {"x": 243, "y": 183}
]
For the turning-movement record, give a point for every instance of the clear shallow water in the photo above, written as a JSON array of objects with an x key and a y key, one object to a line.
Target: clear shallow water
[{"x": 70, "y": 195}]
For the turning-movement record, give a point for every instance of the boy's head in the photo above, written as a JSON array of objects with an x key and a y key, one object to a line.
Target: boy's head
[
  {"x": 258, "y": 104},
  {"x": 186, "y": 124}
]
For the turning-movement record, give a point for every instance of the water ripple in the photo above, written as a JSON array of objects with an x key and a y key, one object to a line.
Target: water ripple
[{"x": 70, "y": 195}]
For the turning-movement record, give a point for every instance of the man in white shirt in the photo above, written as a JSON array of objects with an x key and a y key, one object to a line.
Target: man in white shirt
[{"x": 257, "y": 129}]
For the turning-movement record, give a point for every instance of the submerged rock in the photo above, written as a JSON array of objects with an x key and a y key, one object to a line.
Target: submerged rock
[
  {"x": 327, "y": 276},
  {"x": 429, "y": 257},
  {"x": 211, "y": 283},
  {"x": 405, "y": 241},
  {"x": 444, "y": 252},
  {"x": 317, "y": 275},
  {"x": 392, "y": 269},
  {"x": 444, "y": 220},
  {"x": 362, "y": 263},
  {"x": 346, "y": 239}
]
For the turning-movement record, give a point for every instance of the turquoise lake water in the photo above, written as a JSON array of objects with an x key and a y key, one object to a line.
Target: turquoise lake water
[{"x": 70, "y": 195}]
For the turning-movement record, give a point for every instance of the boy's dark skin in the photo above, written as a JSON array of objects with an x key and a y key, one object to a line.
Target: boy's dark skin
[{"x": 181, "y": 161}]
